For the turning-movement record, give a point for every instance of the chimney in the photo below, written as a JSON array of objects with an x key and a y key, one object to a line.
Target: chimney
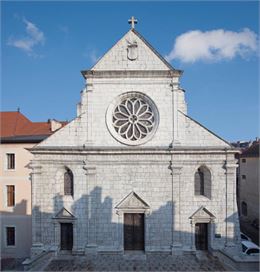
[{"x": 55, "y": 125}]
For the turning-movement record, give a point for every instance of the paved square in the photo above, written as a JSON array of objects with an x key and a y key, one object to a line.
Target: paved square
[{"x": 149, "y": 262}]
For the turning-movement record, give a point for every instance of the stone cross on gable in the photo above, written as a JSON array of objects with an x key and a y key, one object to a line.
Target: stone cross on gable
[{"x": 132, "y": 21}]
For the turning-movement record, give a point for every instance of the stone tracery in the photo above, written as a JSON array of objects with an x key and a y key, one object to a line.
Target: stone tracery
[{"x": 133, "y": 119}]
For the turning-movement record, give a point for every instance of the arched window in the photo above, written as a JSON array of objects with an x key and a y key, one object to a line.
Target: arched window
[
  {"x": 244, "y": 208},
  {"x": 68, "y": 182},
  {"x": 202, "y": 182}
]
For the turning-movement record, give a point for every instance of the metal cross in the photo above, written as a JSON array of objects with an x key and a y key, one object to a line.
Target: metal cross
[{"x": 132, "y": 21}]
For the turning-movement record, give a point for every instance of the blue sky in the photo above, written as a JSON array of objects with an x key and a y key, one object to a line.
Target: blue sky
[{"x": 45, "y": 45}]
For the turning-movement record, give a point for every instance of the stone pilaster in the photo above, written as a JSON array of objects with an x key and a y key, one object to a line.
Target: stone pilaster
[
  {"x": 232, "y": 224},
  {"x": 175, "y": 131},
  {"x": 176, "y": 207},
  {"x": 87, "y": 105},
  {"x": 91, "y": 246},
  {"x": 37, "y": 245}
]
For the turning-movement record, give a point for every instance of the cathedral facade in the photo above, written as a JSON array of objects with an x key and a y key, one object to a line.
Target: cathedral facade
[{"x": 133, "y": 171}]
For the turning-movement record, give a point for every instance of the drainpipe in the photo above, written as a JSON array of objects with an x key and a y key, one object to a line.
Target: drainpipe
[
  {"x": 171, "y": 169},
  {"x": 226, "y": 229}
]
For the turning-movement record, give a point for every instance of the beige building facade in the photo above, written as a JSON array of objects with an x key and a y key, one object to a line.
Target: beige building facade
[
  {"x": 18, "y": 134},
  {"x": 15, "y": 205},
  {"x": 248, "y": 190}
]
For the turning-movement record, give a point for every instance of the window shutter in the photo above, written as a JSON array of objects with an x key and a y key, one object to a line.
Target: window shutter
[
  {"x": 10, "y": 161},
  {"x": 10, "y": 195}
]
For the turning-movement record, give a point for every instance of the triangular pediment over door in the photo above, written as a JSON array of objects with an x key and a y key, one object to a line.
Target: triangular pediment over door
[
  {"x": 64, "y": 214},
  {"x": 202, "y": 215},
  {"x": 132, "y": 203}
]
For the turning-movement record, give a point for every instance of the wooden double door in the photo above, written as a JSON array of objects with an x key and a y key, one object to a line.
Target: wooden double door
[
  {"x": 134, "y": 231},
  {"x": 66, "y": 236},
  {"x": 201, "y": 236}
]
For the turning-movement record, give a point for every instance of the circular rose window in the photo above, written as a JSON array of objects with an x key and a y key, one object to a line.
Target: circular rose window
[{"x": 132, "y": 118}]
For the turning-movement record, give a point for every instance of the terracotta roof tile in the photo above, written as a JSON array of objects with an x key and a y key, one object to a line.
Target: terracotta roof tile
[{"x": 14, "y": 123}]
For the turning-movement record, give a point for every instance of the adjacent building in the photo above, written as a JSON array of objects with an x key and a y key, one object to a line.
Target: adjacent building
[
  {"x": 248, "y": 190},
  {"x": 133, "y": 171},
  {"x": 18, "y": 134}
]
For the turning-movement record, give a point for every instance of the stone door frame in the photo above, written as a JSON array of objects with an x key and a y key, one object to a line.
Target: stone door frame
[
  {"x": 63, "y": 216},
  {"x": 120, "y": 213},
  {"x": 202, "y": 215},
  {"x": 132, "y": 203},
  {"x": 57, "y": 233}
]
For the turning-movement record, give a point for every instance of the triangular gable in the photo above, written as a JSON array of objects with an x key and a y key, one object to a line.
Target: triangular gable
[
  {"x": 117, "y": 57},
  {"x": 202, "y": 213},
  {"x": 64, "y": 214},
  {"x": 198, "y": 135},
  {"x": 132, "y": 201}
]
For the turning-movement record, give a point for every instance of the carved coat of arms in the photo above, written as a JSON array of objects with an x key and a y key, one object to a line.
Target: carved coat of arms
[{"x": 132, "y": 51}]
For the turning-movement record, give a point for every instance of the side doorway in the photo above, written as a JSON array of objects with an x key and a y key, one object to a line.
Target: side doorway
[
  {"x": 201, "y": 236},
  {"x": 66, "y": 236},
  {"x": 133, "y": 231}
]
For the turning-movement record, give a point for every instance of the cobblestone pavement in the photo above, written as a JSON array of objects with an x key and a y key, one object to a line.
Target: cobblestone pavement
[
  {"x": 150, "y": 262},
  {"x": 11, "y": 264}
]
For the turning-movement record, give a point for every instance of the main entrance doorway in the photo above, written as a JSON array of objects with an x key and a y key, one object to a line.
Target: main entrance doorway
[
  {"x": 66, "y": 236},
  {"x": 134, "y": 231},
  {"x": 201, "y": 236}
]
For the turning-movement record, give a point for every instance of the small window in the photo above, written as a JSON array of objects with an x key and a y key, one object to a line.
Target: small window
[
  {"x": 243, "y": 176},
  {"x": 68, "y": 182},
  {"x": 10, "y": 195},
  {"x": 10, "y": 236},
  {"x": 202, "y": 182},
  {"x": 243, "y": 160},
  {"x": 244, "y": 208},
  {"x": 10, "y": 161}
]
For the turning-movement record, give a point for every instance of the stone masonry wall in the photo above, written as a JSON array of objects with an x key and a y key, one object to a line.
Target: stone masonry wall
[{"x": 113, "y": 177}]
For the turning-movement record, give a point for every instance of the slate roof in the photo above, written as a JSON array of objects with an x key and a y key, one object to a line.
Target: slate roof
[
  {"x": 252, "y": 151},
  {"x": 15, "y": 127}
]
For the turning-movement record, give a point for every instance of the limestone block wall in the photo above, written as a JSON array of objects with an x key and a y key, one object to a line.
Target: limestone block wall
[
  {"x": 104, "y": 93},
  {"x": 90, "y": 128},
  {"x": 102, "y": 181},
  {"x": 191, "y": 133},
  {"x": 117, "y": 176},
  {"x": 116, "y": 58}
]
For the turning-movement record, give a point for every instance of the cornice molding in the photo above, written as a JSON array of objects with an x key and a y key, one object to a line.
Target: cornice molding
[
  {"x": 131, "y": 150},
  {"x": 87, "y": 74}
]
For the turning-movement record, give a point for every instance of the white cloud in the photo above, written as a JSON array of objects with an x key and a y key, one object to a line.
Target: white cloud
[
  {"x": 92, "y": 55},
  {"x": 34, "y": 36},
  {"x": 214, "y": 45}
]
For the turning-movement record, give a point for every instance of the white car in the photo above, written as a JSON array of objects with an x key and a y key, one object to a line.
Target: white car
[
  {"x": 244, "y": 237},
  {"x": 250, "y": 248}
]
